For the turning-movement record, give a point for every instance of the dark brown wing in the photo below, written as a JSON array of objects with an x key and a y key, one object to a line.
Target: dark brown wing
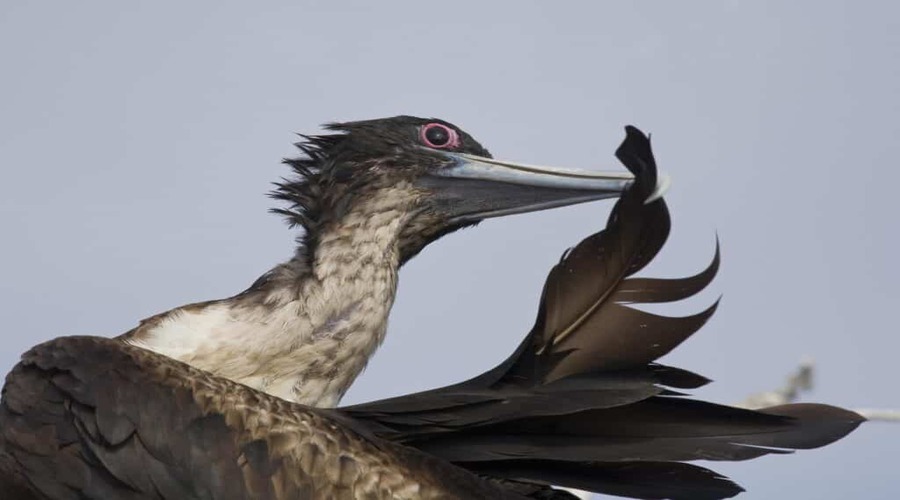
[
  {"x": 91, "y": 418},
  {"x": 582, "y": 401}
]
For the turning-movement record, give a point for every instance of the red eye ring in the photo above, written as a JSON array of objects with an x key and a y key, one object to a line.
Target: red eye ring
[{"x": 439, "y": 136}]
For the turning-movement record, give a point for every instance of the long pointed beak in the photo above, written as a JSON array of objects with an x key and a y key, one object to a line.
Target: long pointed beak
[{"x": 476, "y": 187}]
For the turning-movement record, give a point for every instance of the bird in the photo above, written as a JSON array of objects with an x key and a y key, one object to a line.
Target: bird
[
  {"x": 581, "y": 402},
  {"x": 368, "y": 198}
]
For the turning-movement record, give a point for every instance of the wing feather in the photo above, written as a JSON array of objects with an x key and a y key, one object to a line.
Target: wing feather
[{"x": 86, "y": 417}]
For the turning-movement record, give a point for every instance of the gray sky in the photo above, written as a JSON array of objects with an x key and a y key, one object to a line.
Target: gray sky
[{"x": 137, "y": 142}]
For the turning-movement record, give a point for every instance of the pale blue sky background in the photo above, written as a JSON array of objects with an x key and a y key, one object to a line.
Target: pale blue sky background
[{"x": 137, "y": 140}]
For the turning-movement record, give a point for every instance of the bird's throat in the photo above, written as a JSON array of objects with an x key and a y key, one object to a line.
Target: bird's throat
[{"x": 306, "y": 329}]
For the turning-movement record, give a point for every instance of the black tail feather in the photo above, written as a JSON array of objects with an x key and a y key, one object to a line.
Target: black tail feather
[
  {"x": 646, "y": 480},
  {"x": 656, "y": 429}
]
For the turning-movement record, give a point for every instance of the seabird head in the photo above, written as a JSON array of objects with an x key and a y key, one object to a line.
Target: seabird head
[{"x": 440, "y": 176}]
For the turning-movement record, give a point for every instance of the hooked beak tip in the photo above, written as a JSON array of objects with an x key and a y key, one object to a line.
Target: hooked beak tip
[{"x": 663, "y": 183}]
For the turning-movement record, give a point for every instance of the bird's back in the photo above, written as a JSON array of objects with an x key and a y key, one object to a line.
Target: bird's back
[{"x": 87, "y": 417}]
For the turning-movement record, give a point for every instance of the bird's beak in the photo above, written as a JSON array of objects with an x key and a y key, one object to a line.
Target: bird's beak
[{"x": 472, "y": 187}]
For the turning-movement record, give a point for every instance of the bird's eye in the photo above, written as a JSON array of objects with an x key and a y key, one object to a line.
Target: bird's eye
[{"x": 438, "y": 135}]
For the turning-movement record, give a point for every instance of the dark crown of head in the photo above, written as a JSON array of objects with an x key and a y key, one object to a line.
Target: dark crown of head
[{"x": 328, "y": 169}]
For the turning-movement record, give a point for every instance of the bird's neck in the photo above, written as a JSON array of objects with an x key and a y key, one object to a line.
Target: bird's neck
[{"x": 307, "y": 328}]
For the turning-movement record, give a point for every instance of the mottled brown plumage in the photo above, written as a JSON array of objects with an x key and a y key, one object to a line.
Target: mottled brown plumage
[{"x": 116, "y": 421}]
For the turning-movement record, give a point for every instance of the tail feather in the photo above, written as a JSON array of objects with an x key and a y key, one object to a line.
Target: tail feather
[
  {"x": 647, "y": 480},
  {"x": 653, "y": 290},
  {"x": 657, "y": 429}
]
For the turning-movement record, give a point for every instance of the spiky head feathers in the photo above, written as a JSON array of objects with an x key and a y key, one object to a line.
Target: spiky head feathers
[{"x": 338, "y": 169}]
